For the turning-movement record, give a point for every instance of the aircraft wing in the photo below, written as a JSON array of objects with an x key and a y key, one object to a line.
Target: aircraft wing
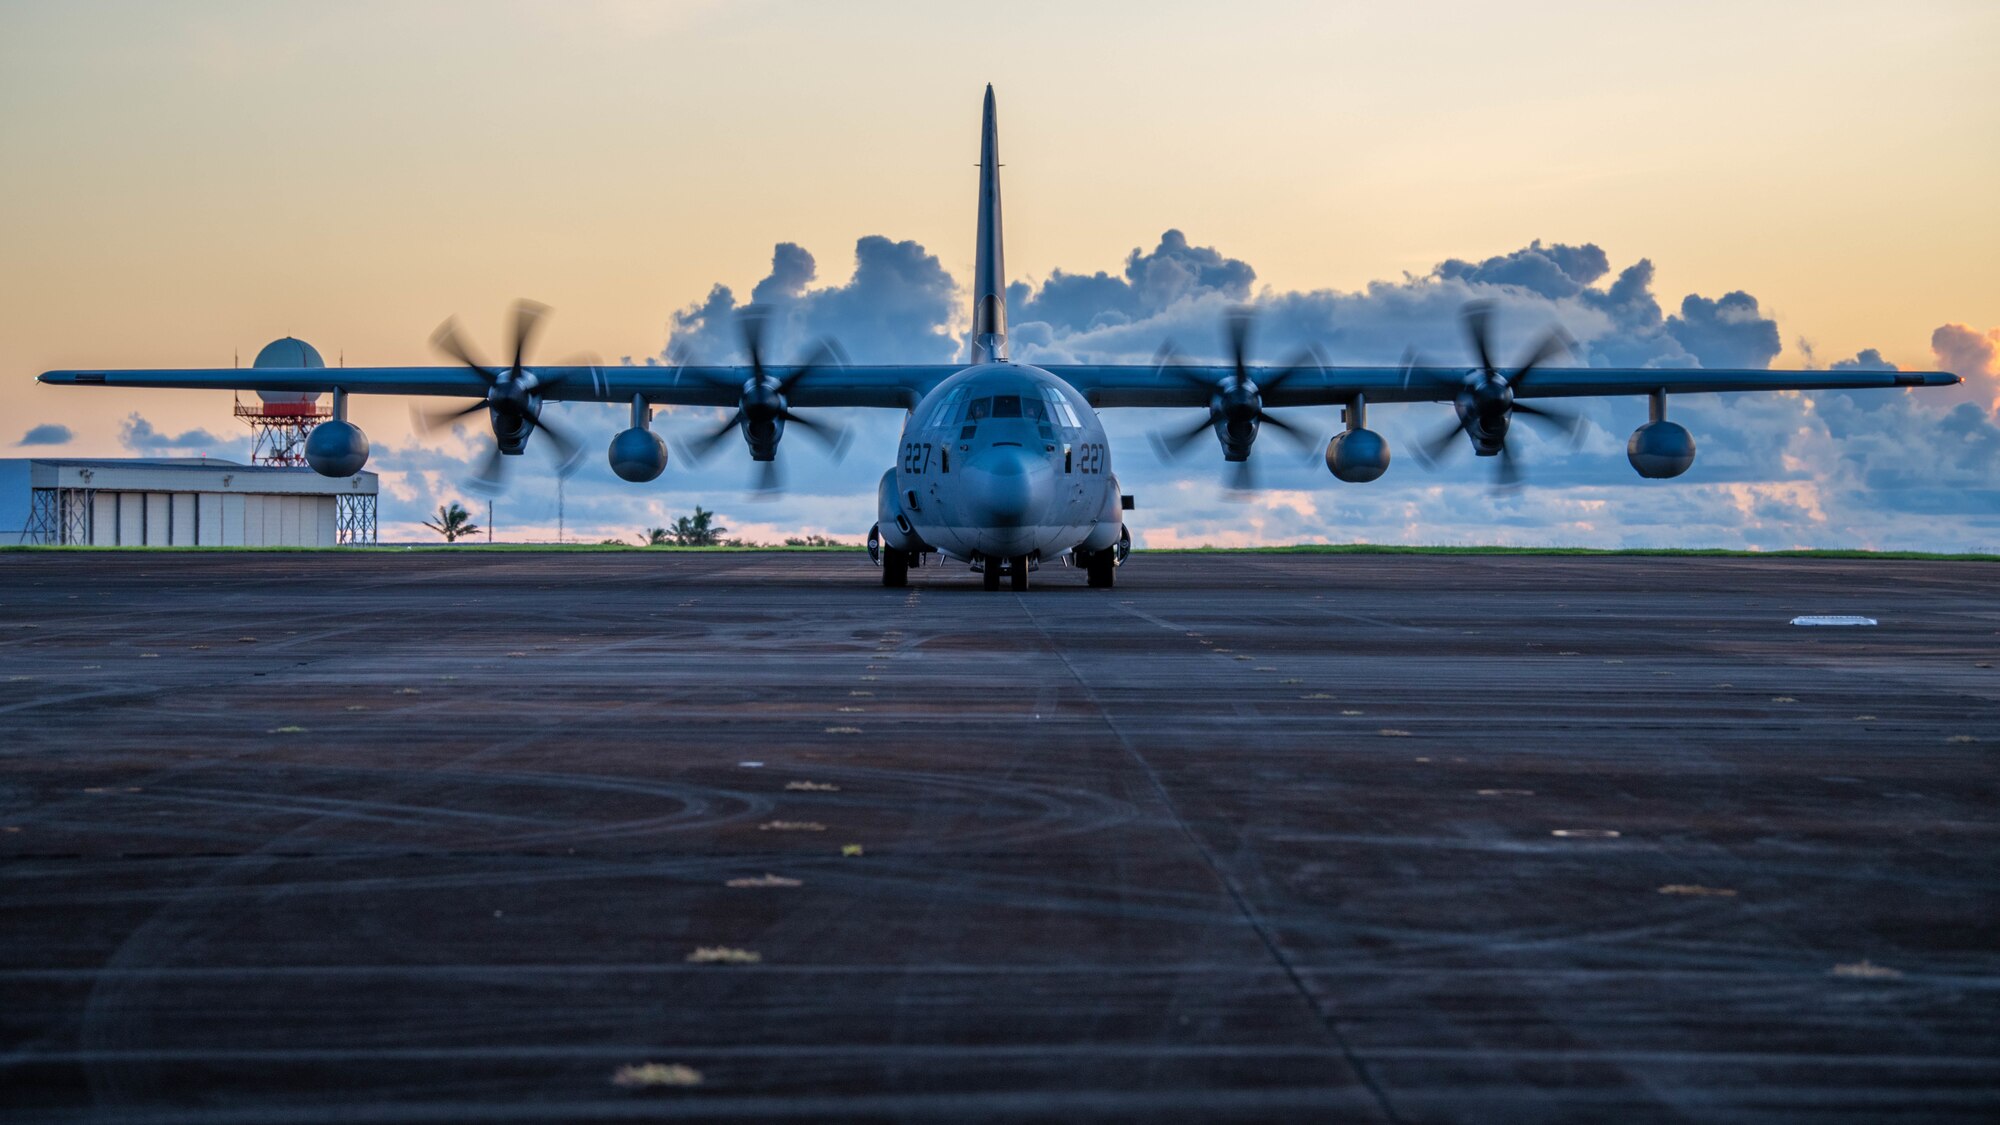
[
  {"x": 901, "y": 386},
  {"x": 1189, "y": 385},
  {"x": 894, "y": 386}
]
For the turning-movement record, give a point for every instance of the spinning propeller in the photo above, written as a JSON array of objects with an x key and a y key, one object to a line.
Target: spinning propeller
[
  {"x": 763, "y": 410},
  {"x": 1236, "y": 403},
  {"x": 514, "y": 396},
  {"x": 1485, "y": 402}
]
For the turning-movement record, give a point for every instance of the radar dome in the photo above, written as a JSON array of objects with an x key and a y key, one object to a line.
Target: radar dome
[{"x": 288, "y": 352}]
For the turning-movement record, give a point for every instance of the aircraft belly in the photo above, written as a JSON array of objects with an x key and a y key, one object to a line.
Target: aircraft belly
[{"x": 945, "y": 522}]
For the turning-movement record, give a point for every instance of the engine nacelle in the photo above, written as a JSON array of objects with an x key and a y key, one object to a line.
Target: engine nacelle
[
  {"x": 1357, "y": 456},
  {"x": 1661, "y": 449},
  {"x": 638, "y": 455},
  {"x": 336, "y": 448}
]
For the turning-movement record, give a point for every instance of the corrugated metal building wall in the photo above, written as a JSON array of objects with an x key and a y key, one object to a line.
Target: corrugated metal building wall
[
  {"x": 173, "y": 503},
  {"x": 210, "y": 519}
]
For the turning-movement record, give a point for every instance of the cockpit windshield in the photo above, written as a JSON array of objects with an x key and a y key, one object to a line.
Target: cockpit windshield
[{"x": 1044, "y": 408}]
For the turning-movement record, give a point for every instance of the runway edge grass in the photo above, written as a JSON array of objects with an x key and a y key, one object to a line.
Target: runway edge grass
[{"x": 1292, "y": 549}]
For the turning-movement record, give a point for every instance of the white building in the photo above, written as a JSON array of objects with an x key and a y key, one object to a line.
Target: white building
[{"x": 181, "y": 502}]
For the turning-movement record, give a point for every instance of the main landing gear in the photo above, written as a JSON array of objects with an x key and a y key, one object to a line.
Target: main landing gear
[{"x": 1101, "y": 569}]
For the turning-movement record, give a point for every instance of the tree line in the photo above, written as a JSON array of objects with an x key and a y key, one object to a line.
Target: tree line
[{"x": 699, "y": 529}]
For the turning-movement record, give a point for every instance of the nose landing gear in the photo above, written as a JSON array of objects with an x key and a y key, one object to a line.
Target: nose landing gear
[{"x": 1017, "y": 572}]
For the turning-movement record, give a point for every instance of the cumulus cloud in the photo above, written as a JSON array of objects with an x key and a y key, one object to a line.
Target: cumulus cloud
[
  {"x": 1727, "y": 332},
  {"x": 48, "y": 433},
  {"x": 1171, "y": 274},
  {"x": 1970, "y": 354},
  {"x": 1100, "y": 318},
  {"x": 1966, "y": 350},
  {"x": 1552, "y": 271},
  {"x": 897, "y": 308},
  {"x": 1877, "y": 469},
  {"x": 1868, "y": 359}
]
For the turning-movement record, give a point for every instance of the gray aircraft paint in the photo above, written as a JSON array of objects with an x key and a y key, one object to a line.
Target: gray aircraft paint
[{"x": 1001, "y": 487}]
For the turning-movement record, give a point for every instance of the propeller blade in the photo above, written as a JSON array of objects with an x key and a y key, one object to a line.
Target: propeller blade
[
  {"x": 1173, "y": 444},
  {"x": 428, "y": 420},
  {"x": 1506, "y": 469},
  {"x": 556, "y": 378},
  {"x": 1242, "y": 477},
  {"x": 567, "y": 448},
  {"x": 1431, "y": 449},
  {"x": 750, "y": 322},
  {"x": 1306, "y": 359},
  {"x": 1446, "y": 386},
  {"x": 1475, "y": 316},
  {"x": 447, "y": 340},
  {"x": 825, "y": 353},
  {"x": 1170, "y": 361},
  {"x": 527, "y": 323},
  {"x": 770, "y": 478},
  {"x": 1552, "y": 344},
  {"x": 491, "y": 474},
  {"x": 1298, "y": 435},
  {"x": 703, "y": 444},
  {"x": 1239, "y": 339},
  {"x": 1567, "y": 422},
  {"x": 834, "y": 437}
]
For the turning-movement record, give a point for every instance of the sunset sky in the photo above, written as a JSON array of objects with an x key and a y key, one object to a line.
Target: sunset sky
[{"x": 183, "y": 181}]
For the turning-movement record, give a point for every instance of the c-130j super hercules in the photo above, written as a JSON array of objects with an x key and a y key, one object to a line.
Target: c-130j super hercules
[{"x": 1002, "y": 465}]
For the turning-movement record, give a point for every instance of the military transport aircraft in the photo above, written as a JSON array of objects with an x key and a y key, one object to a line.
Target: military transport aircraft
[{"x": 1003, "y": 466}]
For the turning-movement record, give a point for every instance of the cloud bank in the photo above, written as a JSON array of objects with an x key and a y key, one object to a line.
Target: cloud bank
[{"x": 1885, "y": 469}]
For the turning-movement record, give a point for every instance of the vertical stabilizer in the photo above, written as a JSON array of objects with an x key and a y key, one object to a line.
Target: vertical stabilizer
[{"x": 989, "y": 275}]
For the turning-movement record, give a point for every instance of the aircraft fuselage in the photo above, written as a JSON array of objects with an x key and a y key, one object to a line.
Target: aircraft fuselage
[{"x": 1006, "y": 461}]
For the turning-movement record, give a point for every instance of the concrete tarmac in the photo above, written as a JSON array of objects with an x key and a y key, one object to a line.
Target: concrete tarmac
[{"x": 567, "y": 837}]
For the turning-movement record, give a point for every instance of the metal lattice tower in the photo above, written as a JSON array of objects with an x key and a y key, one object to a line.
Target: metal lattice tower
[{"x": 279, "y": 429}]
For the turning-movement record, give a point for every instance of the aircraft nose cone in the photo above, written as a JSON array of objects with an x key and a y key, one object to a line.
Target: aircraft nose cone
[{"x": 1007, "y": 486}]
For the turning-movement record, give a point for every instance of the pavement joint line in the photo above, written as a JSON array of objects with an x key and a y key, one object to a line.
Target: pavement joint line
[{"x": 1249, "y": 915}]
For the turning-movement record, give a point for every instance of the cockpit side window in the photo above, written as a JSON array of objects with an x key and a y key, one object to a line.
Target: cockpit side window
[
  {"x": 946, "y": 409},
  {"x": 1059, "y": 410}
]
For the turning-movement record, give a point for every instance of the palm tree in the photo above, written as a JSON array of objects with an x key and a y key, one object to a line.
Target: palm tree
[
  {"x": 655, "y": 537},
  {"x": 698, "y": 530},
  {"x": 453, "y": 522}
]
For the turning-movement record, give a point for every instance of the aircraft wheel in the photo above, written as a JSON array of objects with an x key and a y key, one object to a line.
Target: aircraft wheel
[
  {"x": 991, "y": 577},
  {"x": 1102, "y": 569},
  {"x": 895, "y": 568},
  {"x": 1018, "y": 569}
]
